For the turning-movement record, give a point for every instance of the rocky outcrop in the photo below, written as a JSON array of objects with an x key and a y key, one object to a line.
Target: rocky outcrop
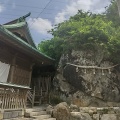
[{"x": 88, "y": 86}]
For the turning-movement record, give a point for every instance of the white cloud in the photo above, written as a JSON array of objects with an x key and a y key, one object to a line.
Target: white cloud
[
  {"x": 96, "y": 6},
  {"x": 40, "y": 25},
  {"x": 99, "y": 10},
  {"x": 43, "y": 25},
  {"x": 1, "y": 8},
  {"x": 72, "y": 9},
  {"x": 99, "y": 6}
]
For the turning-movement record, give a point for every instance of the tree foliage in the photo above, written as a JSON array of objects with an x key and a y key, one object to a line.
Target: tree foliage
[
  {"x": 112, "y": 13},
  {"x": 82, "y": 31}
]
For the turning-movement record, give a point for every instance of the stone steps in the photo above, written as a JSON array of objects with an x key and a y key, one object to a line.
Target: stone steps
[
  {"x": 46, "y": 119},
  {"x": 20, "y": 119},
  {"x": 31, "y": 114},
  {"x": 36, "y": 109},
  {"x": 50, "y": 119},
  {"x": 38, "y": 114},
  {"x": 31, "y": 119},
  {"x": 41, "y": 117}
]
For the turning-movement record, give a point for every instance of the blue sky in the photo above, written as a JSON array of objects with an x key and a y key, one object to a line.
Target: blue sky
[{"x": 46, "y": 13}]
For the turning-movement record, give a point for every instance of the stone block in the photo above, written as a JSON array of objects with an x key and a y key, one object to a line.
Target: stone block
[
  {"x": 14, "y": 114},
  {"x": 80, "y": 116},
  {"x": 100, "y": 110},
  {"x": 7, "y": 115},
  {"x": 111, "y": 110},
  {"x": 20, "y": 114},
  {"x": 1, "y": 115},
  {"x": 117, "y": 110},
  {"x": 84, "y": 109},
  {"x": 74, "y": 108},
  {"x": 96, "y": 116},
  {"x": 92, "y": 110},
  {"x": 27, "y": 114},
  {"x": 49, "y": 109},
  {"x": 109, "y": 117}
]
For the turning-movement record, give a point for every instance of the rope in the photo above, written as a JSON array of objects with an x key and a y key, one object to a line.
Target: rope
[{"x": 92, "y": 67}]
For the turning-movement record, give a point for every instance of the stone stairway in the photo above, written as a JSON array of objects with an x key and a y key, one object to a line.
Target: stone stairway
[{"x": 37, "y": 113}]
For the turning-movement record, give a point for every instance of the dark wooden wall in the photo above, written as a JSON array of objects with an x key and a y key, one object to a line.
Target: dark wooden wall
[{"x": 20, "y": 65}]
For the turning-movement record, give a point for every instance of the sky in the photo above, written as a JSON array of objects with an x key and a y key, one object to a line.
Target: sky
[{"x": 46, "y": 13}]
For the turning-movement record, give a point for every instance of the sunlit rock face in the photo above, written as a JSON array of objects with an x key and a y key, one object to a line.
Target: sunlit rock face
[{"x": 88, "y": 86}]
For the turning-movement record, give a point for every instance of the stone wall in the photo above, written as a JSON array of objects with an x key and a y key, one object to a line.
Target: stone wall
[{"x": 64, "y": 112}]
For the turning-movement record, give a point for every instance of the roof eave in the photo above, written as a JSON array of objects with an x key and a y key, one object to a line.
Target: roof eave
[
  {"x": 25, "y": 45},
  {"x": 19, "y": 25}
]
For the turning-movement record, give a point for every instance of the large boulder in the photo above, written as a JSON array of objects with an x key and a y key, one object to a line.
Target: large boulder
[
  {"x": 87, "y": 87},
  {"x": 61, "y": 111}
]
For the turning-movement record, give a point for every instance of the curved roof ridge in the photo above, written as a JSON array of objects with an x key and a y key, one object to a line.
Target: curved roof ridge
[
  {"x": 19, "y": 25},
  {"x": 14, "y": 25}
]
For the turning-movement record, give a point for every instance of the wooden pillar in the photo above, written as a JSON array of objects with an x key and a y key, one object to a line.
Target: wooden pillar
[
  {"x": 25, "y": 99},
  {"x": 30, "y": 74},
  {"x": 12, "y": 69},
  {"x": 49, "y": 88}
]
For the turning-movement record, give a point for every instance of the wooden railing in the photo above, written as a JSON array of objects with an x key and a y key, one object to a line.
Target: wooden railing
[
  {"x": 12, "y": 98},
  {"x": 31, "y": 96},
  {"x": 34, "y": 96}
]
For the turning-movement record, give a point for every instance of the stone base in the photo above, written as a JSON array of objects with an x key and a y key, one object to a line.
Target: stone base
[{"x": 8, "y": 114}]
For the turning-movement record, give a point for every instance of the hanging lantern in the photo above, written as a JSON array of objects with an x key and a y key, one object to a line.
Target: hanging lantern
[
  {"x": 77, "y": 70},
  {"x": 93, "y": 71},
  {"x": 102, "y": 72},
  {"x": 109, "y": 71}
]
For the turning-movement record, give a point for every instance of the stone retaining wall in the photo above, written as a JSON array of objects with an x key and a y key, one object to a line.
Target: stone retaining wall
[{"x": 74, "y": 112}]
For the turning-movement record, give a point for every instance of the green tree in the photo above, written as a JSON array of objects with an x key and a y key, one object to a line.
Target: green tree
[
  {"x": 112, "y": 13},
  {"x": 82, "y": 31}
]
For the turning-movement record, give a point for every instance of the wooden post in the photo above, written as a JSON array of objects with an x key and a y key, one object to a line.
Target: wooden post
[
  {"x": 30, "y": 74},
  {"x": 40, "y": 100},
  {"x": 12, "y": 69},
  {"x": 3, "y": 99},
  {"x": 33, "y": 98},
  {"x": 49, "y": 87}
]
